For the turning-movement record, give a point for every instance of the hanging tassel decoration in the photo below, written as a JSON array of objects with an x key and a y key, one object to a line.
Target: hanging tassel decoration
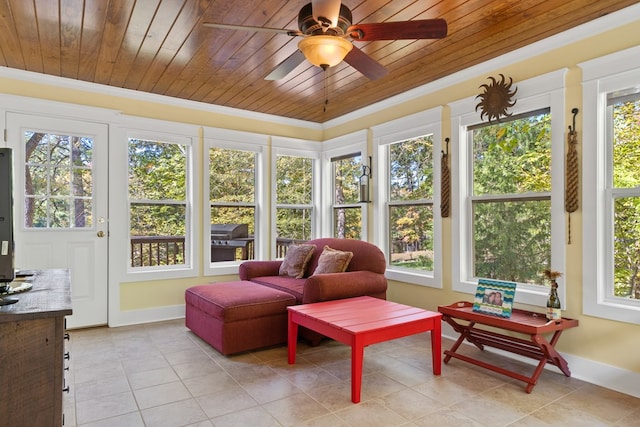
[
  {"x": 571, "y": 171},
  {"x": 445, "y": 184}
]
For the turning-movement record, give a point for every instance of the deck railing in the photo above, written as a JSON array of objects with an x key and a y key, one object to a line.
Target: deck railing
[{"x": 148, "y": 251}]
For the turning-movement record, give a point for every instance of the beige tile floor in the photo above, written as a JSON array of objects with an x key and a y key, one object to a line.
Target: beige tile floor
[{"x": 163, "y": 375}]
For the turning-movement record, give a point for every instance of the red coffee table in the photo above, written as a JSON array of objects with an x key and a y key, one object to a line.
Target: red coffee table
[{"x": 362, "y": 321}]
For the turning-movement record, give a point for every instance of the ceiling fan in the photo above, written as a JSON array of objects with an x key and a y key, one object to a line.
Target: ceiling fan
[{"x": 327, "y": 34}]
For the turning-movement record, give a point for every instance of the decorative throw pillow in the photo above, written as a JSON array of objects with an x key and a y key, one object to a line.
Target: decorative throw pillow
[
  {"x": 333, "y": 261},
  {"x": 296, "y": 260}
]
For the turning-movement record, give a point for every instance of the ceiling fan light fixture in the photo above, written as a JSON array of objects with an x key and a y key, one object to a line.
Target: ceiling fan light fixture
[{"x": 327, "y": 51}]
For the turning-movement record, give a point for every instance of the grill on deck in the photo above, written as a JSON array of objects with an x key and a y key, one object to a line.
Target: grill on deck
[{"x": 227, "y": 238}]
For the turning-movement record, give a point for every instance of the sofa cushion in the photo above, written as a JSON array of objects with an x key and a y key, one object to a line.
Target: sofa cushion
[
  {"x": 296, "y": 260},
  {"x": 234, "y": 301},
  {"x": 291, "y": 285},
  {"x": 365, "y": 255},
  {"x": 333, "y": 261}
]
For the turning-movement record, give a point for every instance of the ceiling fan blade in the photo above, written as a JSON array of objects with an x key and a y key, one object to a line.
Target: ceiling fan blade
[
  {"x": 401, "y": 30},
  {"x": 329, "y": 10},
  {"x": 368, "y": 66},
  {"x": 286, "y": 66},
  {"x": 250, "y": 28}
]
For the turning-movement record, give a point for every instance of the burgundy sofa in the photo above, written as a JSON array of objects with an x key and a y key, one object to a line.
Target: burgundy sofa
[
  {"x": 364, "y": 276},
  {"x": 252, "y": 313}
]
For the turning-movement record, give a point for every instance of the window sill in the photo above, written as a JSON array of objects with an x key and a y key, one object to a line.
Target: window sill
[{"x": 413, "y": 277}]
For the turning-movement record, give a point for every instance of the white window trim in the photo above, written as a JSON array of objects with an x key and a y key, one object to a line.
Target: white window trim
[
  {"x": 235, "y": 140},
  {"x": 600, "y": 76},
  {"x": 429, "y": 123},
  {"x": 296, "y": 148},
  {"x": 540, "y": 92},
  {"x": 177, "y": 133},
  {"x": 340, "y": 146}
]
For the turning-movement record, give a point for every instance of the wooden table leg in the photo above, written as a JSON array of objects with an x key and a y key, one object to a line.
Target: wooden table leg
[
  {"x": 464, "y": 334},
  {"x": 292, "y": 339},
  {"x": 357, "y": 356},
  {"x": 551, "y": 354},
  {"x": 436, "y": 347}
]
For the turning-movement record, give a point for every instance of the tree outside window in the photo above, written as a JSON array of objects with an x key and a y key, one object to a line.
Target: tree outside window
[
  {"x": 411, "y": 203},
  {"x": 347, "y": 213},
  {"x": 232, "y": 184},
  {"x": 58, "y": 180},
  {"x": 511, "y": 200},
  {"x": 624, "y": 119},
  {"x": 294, "y": 200},
  {"x": 157, "y": 203}
]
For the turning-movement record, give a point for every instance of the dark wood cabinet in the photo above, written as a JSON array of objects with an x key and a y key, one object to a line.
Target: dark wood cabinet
[{"x": 32, "y": 352}]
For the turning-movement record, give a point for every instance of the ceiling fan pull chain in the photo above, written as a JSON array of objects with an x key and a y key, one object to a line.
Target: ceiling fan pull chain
[{"x": 326, "y": 96}]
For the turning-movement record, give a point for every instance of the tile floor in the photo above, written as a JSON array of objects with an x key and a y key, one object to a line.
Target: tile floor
[{"x": 163, "y": 375}]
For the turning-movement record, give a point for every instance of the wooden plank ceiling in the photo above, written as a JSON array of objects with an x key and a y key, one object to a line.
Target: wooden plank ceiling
[{"x": 161, "y": 46}]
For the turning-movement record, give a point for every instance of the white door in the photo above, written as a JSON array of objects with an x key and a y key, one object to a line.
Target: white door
[{"x": 60, "y": 204}]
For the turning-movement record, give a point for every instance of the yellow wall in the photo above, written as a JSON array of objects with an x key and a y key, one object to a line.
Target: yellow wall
[{"x": 609, "y": 342}]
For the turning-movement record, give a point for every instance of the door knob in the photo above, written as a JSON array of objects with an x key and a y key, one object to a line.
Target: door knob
[{"x": 100, "y": 233}]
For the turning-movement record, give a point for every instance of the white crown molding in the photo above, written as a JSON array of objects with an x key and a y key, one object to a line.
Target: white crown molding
[{"x": 97, "y": 88}]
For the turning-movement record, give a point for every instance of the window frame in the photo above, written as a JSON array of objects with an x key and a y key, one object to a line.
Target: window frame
[
  {"x": 295, "y": 148},
  {"x": 234, "y": 140},
  {"x": 610, "y": 73},
  {"x": 429, "y": 123},
  {"x": 348, "y": 144},
  {"x": 175, "y": 133},
  {"x": 545, "y": 91}
]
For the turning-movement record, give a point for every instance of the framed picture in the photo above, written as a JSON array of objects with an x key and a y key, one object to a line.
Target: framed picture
[{"x": 494, "y": 297}]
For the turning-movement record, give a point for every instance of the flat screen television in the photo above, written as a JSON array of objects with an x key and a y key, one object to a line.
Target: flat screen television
[{"x": 7, "y": 246}]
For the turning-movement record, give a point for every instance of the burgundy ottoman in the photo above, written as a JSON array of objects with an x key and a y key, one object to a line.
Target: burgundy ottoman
[{"x": 237, "y": 316}]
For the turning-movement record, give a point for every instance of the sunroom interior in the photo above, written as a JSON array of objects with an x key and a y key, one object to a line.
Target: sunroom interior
[{"x": 581, "y": 68}]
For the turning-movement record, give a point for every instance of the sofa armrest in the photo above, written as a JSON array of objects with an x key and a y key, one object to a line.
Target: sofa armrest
[
  {"x": 326, "y": 287},
  {"x": 250, "y": 269}
]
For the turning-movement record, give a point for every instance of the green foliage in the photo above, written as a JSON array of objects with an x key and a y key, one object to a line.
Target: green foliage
[
  {"x": 232, "y": 176},
  {"x": 626, "y": 175},
  {"x": 512, "y": 237},
  {"x": 347, "y": 223},
  {"x": 58, "y": 180},
  {"x": 411, "y": 204},
  {"x": 157, "y": 188},
  {"x": 411, "y": 169},
  {"x": 346, "y": 173},
  {"x": 294, "y": 182},
  {"x": 232, "y": 180},
  {"x": 294, "y": 179}
]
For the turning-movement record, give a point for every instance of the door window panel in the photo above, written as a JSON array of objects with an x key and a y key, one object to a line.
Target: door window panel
[{"x": 58, "y": 180}]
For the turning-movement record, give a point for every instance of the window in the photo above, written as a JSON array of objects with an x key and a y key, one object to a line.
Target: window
[
  {"x": 408, "y": 207},
  {"x": 347, "y": 212},
  {"x": 158, "y": 203},
  {"x": 343, "y": 216},
  {"x": 232, "y": 197},
  {"x": 411, "y": 203},
  {"x": 510, "y": 198},
  {"x": 58, "y": 181},
  {"x": 611, "y": 205},
  {"x": 294, "y": 201},
  {"x": 623, "y": 138},
  {"x": 508, "y": 192}
]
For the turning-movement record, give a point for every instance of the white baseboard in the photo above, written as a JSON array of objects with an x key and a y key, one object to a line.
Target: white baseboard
[
  {"x": 597, "y": 373},
  {"x": 156, "y": 314}
]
